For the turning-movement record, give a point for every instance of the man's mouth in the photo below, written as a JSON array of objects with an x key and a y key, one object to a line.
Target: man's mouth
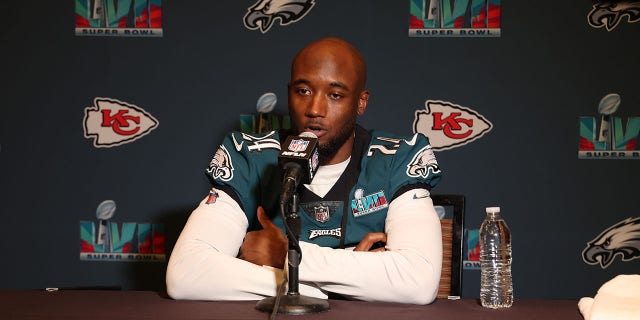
[{"x": 315, "y": 129}]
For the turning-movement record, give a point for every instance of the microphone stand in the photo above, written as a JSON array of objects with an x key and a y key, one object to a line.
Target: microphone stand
[{"x": 292, "y": 302}]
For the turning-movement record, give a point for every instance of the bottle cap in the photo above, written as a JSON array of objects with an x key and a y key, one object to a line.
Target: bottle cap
[{"x": 492, "y": 209}]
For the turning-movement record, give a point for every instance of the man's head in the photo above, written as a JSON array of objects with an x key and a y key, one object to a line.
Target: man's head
[{"x": 326, "y": 94}]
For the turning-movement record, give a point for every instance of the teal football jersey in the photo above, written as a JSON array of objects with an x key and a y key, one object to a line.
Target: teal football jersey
[{"x": 382, "y": 167}]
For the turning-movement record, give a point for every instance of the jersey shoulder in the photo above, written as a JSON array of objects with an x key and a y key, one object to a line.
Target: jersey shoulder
[
  {"x": 247, "y": 164},
  {"x": 239, "y": 152},
  {"x": 406, "y": 159}
]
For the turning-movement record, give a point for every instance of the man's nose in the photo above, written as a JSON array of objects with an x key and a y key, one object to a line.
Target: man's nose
[{"x": 317, "y": 107}]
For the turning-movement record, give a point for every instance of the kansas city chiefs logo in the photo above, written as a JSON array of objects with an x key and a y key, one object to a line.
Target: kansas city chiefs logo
[
  {"x": 449, "y": 125},
  {"x": 112, "y": 122},
  {"x": 264, "y": 13}
]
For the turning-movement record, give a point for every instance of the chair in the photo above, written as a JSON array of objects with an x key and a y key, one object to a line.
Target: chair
[{"x": 452, "y": 237}]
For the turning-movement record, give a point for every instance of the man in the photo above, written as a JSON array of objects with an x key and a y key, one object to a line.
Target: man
[{"x": 370, "y": 188}]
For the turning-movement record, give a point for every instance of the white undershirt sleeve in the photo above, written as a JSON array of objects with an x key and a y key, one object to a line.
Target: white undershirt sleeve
[{"x": 203, "y": 263}]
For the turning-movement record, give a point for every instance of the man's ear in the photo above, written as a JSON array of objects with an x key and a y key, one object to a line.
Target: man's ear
[{"x": 362, "y": 102}]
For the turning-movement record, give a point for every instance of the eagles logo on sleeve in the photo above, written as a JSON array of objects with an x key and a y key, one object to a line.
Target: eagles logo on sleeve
[
  {"x": 423, "y": 162},
  {"x": 263, "y": 13},
  {"x": 220, "y": 166}
]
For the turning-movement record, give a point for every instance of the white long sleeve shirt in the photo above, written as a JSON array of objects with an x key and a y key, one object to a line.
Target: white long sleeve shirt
[{"x": 203, "y": 264}]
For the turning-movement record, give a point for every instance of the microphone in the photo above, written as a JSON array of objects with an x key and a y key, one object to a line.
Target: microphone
[{"x": 299, "y": 160}]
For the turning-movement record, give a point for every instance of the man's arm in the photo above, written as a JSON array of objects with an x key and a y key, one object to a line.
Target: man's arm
[
  {"x": 408, "y": 272},
  {"x": 203, "y": 263}
]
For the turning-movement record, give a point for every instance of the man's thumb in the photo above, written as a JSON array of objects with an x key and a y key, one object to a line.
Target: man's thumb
[{"x": 264, "y": 220}]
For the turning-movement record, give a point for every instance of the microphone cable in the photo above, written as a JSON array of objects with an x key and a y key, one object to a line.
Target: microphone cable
[
  {"x": 296, "y": 247},
  {"x": 290, "y": 233},
  {"x": 279, "y": 293}
]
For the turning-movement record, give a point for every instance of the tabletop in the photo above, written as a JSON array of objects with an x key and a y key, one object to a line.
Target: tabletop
[{"x": 107, "y": 304}]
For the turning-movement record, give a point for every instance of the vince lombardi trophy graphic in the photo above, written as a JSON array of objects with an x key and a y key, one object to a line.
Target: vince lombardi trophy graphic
[
  {"x": 358, "y": 195},
  {"x": 265, "y": 104},
  {"x": 608, "y": 105},
  {"x": 434, "y": 13},
  {"x": 98, "y": 11},
  {"x": 105, "y": 211}
]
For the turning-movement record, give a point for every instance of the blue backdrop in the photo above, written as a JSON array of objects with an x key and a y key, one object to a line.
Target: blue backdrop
[{"x": 543, "y": 78}]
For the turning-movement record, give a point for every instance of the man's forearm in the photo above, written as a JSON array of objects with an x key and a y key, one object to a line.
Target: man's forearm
[
  {"x": 203, "y": 263},
  {"x": 408, "y": 272}
]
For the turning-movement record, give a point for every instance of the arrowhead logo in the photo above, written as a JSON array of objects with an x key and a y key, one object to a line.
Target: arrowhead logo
[
  {"x": 111, "y": 122},
  {"x": 449, "y": 125}
]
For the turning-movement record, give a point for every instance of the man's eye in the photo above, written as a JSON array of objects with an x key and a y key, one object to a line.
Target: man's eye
[
  {"x": 304, "y": 91},
  {"x": 335, "y": 96}
]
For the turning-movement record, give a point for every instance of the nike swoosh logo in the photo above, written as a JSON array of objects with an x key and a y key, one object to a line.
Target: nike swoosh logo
[
  {"x": 413, "y": 140},
  {"x": 415, "y": 196},
  {"x": 238, "y": 145}
]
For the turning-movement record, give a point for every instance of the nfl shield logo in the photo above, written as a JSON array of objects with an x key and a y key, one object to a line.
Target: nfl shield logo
[
  {"x": 298, "y": 145},
  {"x": 321, "y": 213}
]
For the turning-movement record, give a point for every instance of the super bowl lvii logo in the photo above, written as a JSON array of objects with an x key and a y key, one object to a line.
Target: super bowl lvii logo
[
  {"x": 607, "y": 137},
  {"x": 128, "y": 18},
  {"x": 454, "y": 18},
  {"x": 107, "y": 242}
]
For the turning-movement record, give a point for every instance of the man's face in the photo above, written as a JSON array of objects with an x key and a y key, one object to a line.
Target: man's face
[{"x": 325, "y": 96}]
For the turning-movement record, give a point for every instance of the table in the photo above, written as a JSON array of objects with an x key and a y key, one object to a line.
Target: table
[{"x": 105, "y": 304}]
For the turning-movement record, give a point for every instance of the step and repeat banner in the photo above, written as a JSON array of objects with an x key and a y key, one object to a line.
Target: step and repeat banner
[{"x": 112, "y": 110}]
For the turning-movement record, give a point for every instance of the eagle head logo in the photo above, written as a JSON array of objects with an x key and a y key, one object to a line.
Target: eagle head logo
[
  {"x": 220, "y": 166},
  {"x": 263, "y": 13},
  {"x": 621, "y": 239},
  {"x": 423, "y": 163},
  {"x": 608, "y": 14}
]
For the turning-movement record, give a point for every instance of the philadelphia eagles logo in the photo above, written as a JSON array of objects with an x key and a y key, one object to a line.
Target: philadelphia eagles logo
[
  {"x": 609, "y": 14},
  {"x": 423, "y": 163},
  {"x": 265, "y": 12},
  {"x": 220, "y": 166},
  {"x": 621, "y": 239}
]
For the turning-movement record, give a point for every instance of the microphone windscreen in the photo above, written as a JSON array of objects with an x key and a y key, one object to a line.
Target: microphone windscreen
[{"x": 302, "y": 150}]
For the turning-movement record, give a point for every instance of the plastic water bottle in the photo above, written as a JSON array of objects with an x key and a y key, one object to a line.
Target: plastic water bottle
[{"x": 496, "y": 286}]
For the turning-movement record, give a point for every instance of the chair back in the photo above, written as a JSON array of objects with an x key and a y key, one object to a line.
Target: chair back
[{"x": 452, "y": 237}]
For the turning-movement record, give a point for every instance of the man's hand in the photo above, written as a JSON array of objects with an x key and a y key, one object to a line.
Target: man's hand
[
  {"x": 265, "y": 247},
  {"x": 372, "y": 241}
]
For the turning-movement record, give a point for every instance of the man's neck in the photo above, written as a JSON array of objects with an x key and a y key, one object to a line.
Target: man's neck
[{"x": 343, "y": 153}]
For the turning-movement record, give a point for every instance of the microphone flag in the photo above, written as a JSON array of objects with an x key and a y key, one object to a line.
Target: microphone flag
[{"x": 303, "y": 151}]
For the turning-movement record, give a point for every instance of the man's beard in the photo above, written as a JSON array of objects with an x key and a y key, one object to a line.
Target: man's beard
[{"x": 329, "y": 149}]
